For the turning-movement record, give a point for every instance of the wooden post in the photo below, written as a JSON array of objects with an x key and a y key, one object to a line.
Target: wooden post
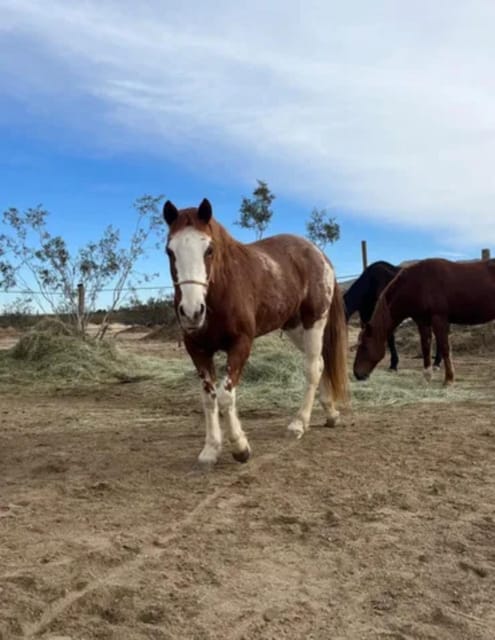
[
  {"x": 364, "y": 253},
  {"x": 80, "y": 307},
  {"x": 485, "y": 254}
]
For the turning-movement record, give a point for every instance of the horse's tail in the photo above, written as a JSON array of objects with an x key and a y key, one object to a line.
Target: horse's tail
[{"x": 335, "y": 348}]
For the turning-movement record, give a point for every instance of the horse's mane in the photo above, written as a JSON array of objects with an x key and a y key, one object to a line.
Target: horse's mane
[
  {"x": 382, "y": 320},
  {"x": 226, "y": 249}
]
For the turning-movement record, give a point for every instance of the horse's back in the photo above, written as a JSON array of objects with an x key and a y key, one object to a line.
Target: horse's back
[
  {"x": 293, "y": 254},
  {"x": 464, "y": 292},
  {"x": 295, "y": 282},
  {"x": 278, "y": 245}
]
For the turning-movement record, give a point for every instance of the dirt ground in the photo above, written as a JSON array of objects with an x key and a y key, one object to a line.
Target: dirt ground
[{"x": 383, "y": 528}]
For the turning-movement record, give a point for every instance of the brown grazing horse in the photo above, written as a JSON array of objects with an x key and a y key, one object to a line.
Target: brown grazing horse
[
  {"x": 228, "y": 293},
  {"x": 434, "y": 293}
]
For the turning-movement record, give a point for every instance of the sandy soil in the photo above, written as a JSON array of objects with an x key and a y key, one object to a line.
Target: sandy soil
[{"x": 381, "y": 529}]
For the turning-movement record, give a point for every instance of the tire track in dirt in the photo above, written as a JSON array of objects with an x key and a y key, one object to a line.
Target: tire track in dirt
[{"x": 150, "y": 552}]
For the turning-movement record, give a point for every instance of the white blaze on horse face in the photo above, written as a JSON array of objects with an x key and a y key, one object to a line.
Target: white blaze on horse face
[{"x": 189, "y": 247}]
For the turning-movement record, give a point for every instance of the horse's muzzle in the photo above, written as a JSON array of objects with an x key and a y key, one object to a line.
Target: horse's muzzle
[
  {"x": 361, "y": 376},
  {"x": 191, "y": 327}
]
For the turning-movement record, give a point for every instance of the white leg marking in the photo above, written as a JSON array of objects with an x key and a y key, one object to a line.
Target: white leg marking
[
  {"x": 326, "y": 401},
  {"x": 428, "y": 373},
  {"x": 227, "y": 404},
  {"x": 297, "y": 337},
  {"x": 313, "y": 368},
  {"x": 213, "y": 441}
]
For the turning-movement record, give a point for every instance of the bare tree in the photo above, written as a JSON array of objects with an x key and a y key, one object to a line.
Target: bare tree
[{"x": 32, "y": 258}]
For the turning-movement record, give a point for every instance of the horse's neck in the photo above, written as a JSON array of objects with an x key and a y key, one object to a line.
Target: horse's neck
[
  {"x": 384, "y": 319},
  {"x": 395, "y": 312},
  {"x": 229, "y": 256}
]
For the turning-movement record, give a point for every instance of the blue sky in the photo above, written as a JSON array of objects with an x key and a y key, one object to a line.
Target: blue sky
[{"x": 381, "y": 112}]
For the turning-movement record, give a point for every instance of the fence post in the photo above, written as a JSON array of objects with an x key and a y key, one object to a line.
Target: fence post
[
  {"x": 364, "y": 253},
  {"x": 80, "y": 307},
  {"x": 485, "y": 254}
]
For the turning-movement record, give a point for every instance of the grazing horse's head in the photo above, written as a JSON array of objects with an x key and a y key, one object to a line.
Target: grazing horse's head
[
  {"x": 190, "y": 251},
  {"x": 371, "y": 349}
]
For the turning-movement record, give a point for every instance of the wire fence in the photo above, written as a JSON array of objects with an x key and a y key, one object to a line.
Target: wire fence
[{"x": 167, "y": 287}]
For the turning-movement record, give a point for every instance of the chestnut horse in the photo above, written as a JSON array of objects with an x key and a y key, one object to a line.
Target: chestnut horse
[
  {"x": 228, "y": 293},
  {"x": 434, "y": 293},
  {"x": 363, "y": 295}
]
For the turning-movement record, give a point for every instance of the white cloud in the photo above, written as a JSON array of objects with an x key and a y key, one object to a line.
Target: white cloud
[{"x": 382, "y": 108}]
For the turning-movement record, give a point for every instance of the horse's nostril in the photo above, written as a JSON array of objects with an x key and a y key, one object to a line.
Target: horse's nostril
[
  {"x": 201, "y": 309},
  {"x": 181, "y": 310}
]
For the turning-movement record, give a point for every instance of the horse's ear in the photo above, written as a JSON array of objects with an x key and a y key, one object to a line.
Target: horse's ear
[
  {"x": 170, "y": 212},
  {"x": 204, "y": 211}
]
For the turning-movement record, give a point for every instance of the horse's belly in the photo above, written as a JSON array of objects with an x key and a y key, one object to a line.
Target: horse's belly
[
  {"x": 475, "y": 316},
  {"x": 276, "y": 316}
]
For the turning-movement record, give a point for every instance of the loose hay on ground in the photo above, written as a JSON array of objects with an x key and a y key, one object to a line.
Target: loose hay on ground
[{"x": 273, "y": 378}]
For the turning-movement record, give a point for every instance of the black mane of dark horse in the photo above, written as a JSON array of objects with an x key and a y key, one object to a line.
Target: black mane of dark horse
[{"x": 363, "y": 294}]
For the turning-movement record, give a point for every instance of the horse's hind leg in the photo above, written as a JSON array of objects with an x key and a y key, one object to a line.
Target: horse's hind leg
[
  {"x": 425, "y": 335},
  {"x": 325, "y": 387},
  {"x": 312, "y": 342},
  {"x": 327, "y": 402},
  {"x": 441, "y": 331}
]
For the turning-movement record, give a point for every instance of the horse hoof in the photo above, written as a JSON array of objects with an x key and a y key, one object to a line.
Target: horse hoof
[
  {"x": 208, "y": 457},
  {"x": 332, "y": 421},
  {"x": 296, "y": 429},
  {"x": 393, "y": 369},
  {"x": 242, "y": 456}
]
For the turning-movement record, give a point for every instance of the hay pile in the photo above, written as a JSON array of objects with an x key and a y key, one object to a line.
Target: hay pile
[
  {"x": 54, "y": 353},
  {"x": 473, "y": 340}
]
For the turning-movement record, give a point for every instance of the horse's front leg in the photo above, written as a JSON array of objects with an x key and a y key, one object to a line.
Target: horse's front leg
[
  {"x": 394, "y": 356},
  {"x": 236, "y": 359},
  {"x": 313, "y": 368},
  {"x": 438, "y": 356},
  {"x": 213, "y": 440}
]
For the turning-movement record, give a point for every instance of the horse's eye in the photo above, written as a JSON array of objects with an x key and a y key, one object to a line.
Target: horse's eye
[
  {"x": 170, "y": 253},
  {"x": 209, "y": 251}
]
